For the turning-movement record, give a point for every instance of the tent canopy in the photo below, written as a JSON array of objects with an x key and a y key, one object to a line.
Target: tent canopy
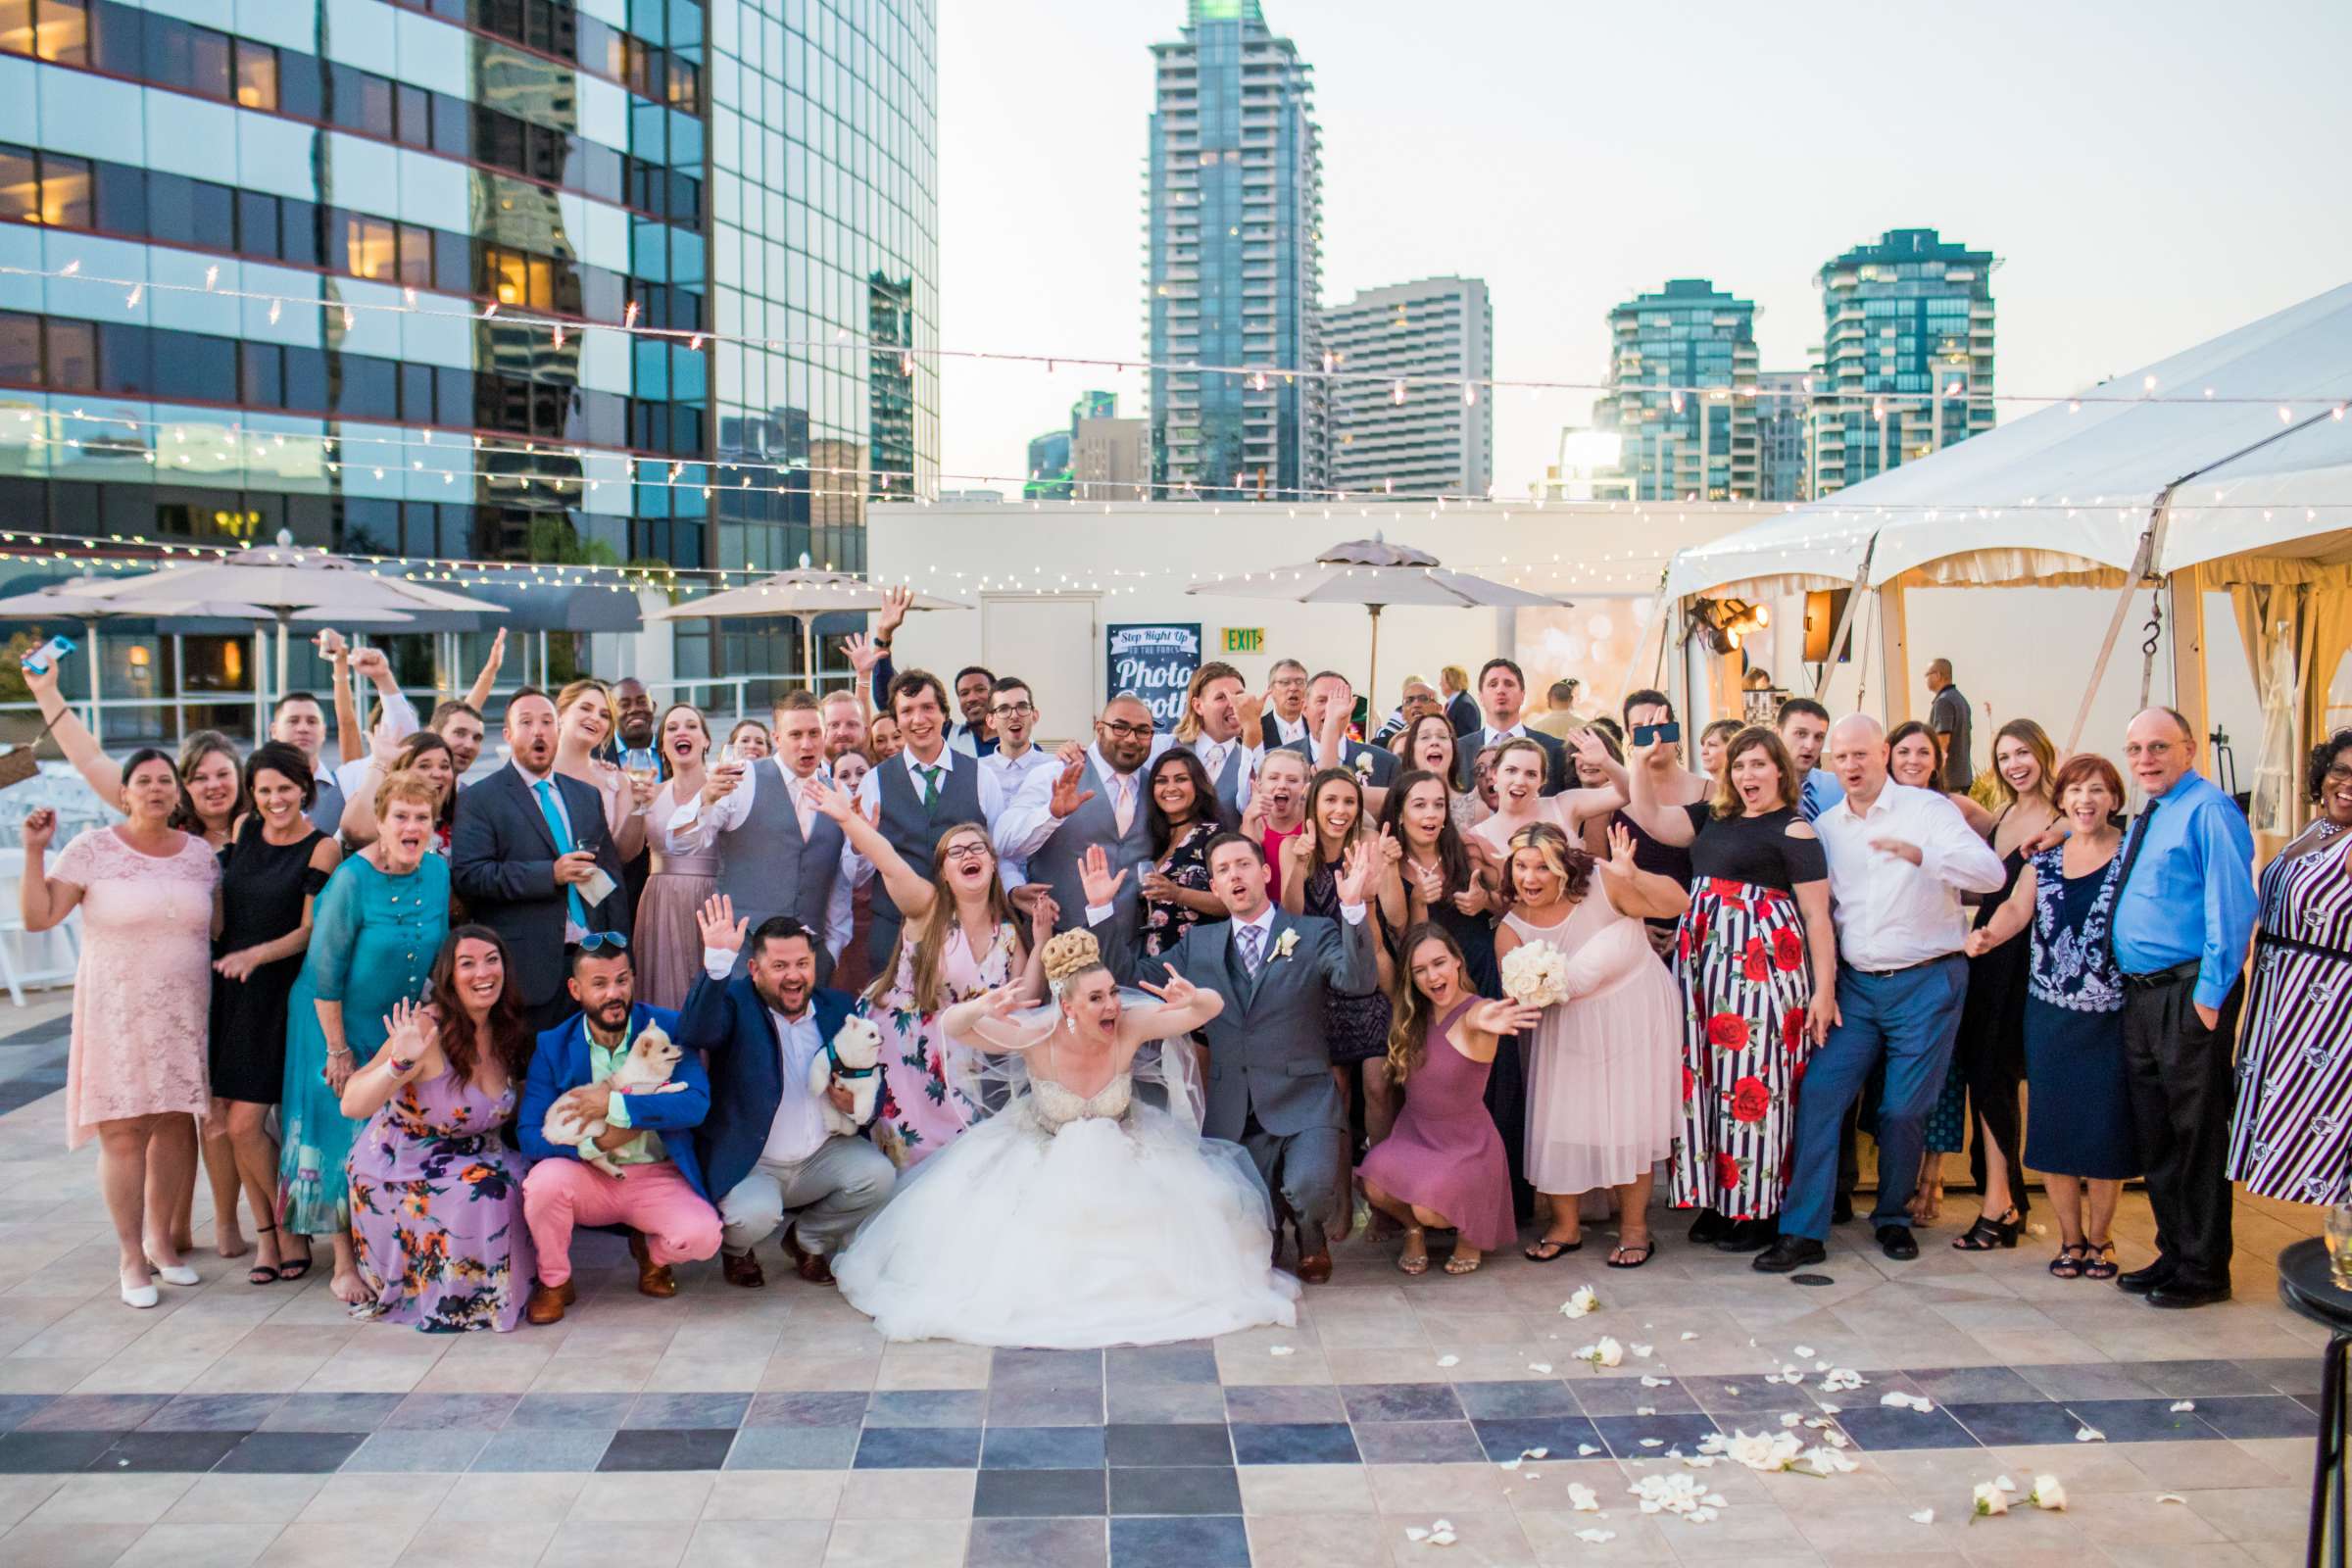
[{"x": 2251, "y": 426}]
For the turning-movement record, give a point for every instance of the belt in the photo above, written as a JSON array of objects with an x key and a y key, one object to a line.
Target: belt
[
  {"x": 2156, "y": 979},
  {"x": 2272, "y": 939},
  {"x": 1901, "y": 968}
]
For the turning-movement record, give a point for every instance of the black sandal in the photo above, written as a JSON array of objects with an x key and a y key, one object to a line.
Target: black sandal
[
  {"x": 294, "y": 1269},
  {"x": 2070, "y": 1261},
  {"x": 262, "y": 1273},
  {"x": 1546, "y": 1250},
  {"x": 2101, "y": 1264},
  {"x": 1989, "y": 1233},
  {"x": 1624, "y": 1250}
]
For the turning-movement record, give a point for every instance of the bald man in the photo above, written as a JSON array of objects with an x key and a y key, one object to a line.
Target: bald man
[
  {"x": 2184, "y": 908},
  {"x": 1900, "y": 859}
]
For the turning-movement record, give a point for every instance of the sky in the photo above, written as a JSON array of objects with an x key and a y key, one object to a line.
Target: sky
[{"x": 2149, "y": 174}]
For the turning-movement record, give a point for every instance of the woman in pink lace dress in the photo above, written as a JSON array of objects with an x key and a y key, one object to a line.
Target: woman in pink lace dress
[
  {"x": 963, "y": 938},
  {"x": 135, "y": 1076}
]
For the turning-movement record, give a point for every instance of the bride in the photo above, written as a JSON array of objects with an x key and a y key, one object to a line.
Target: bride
[{"x": 1077, "y": 1216}]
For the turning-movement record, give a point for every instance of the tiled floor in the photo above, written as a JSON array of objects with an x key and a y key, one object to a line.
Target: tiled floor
[{"x": 238, "y": 1425}]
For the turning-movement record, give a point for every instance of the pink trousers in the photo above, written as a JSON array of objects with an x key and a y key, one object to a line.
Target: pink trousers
[{"x": 679, "y": 1223}]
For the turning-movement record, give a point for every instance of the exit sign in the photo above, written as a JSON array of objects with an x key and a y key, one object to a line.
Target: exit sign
[{"x": 1245, "y": 639}]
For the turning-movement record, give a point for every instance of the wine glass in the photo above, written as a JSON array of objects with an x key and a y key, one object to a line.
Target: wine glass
[{"x": 2340, "y": 1243}]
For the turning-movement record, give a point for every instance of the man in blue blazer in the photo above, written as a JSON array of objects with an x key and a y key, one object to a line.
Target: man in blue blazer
[
  {"x": 766, "y": 1148},
  {"x": 529, "y": 854},
  {"x": 658, "y": 1192}
]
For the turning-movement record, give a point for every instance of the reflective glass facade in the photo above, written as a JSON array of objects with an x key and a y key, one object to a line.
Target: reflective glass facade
[
  {"x": 1906, "y": 364},
  {"x": 1682, "y": 385},
  {"x": 1234, "y": 271},
  {"x": 287, "y": 222}
]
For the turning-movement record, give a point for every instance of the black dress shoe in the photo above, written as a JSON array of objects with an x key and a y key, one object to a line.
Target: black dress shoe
[
  {"x": 1709, "y": 1228},
  {"x": 2141, "y": 1281},
  {"x": 1748, "y": 1235},
  {"x": 2180, "y": 1293},
  {"x": 1897, "y": 1242},
  {"x": 1841, "y": 1212},
  {"x": 1790, "y": 1253}
]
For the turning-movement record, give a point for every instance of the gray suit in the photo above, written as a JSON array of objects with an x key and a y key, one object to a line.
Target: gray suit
[{"x": 1269, "y": 1087}]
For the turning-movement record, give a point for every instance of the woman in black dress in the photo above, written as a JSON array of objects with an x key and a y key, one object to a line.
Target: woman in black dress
[{"x": 274, "y": 866}]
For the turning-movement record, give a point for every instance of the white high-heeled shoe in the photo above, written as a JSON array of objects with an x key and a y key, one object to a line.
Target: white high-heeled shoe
[
  {"x": 140, "y": 1296},
  {"x": 174, "y": 1273}
]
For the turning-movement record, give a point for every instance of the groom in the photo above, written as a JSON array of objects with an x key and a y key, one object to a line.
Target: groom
[{"x": 1270, "y": 1085}]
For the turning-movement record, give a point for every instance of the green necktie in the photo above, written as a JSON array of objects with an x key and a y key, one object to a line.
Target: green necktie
[{"x": 930, "y": 784}]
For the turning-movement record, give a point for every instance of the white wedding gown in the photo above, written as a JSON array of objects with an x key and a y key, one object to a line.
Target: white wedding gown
[{"x": 1072, "y": 1222}]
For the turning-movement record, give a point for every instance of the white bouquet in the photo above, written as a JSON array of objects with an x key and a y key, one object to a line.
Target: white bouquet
[{"x": 1535, "y": 974}]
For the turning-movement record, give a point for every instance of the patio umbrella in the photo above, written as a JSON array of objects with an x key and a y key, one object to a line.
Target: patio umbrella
[
  {"x": 278, "y": 582},
  {"x": 1374, "y": 573},
  {"x": 803, "y": 593}
]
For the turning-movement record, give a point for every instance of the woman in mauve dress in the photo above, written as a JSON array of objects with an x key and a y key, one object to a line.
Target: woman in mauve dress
[{"x": 667, "y": 936}]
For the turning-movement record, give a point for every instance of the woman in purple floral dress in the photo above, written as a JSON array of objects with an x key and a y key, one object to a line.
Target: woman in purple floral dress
[{"x": 436, "y": 1192}]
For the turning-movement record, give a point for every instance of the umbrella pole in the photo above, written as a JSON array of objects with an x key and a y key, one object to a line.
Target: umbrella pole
[
  {"x": 808, "y": 650},
  {"x": 1372, "y": 677},
  {"x": 283, "y": 618}
]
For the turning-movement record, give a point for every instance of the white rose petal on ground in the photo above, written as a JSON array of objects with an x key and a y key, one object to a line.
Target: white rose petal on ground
[
  {"x": 1280, "y": 1350},
  {"x": 1804, "y": 1353},
  {"x": 1924, "y": 1516},
  {"x": 2179, "y": 1405},
  {"x": 2090, "y": 1434},
  {"x": 1596, "y": 1537},
  {"x": 1689, "y": 1334},
  {"x": 1582, "y": 1499},
  {"x": 1449, "y": 1360}
]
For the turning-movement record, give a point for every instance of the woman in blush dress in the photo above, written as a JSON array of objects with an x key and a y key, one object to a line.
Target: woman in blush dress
[
  {"x": 962, "y": 936},
  {"x": 373, "y": 934},
  {"x": 669, "y": 941},
  {"x": 436, "y": 1192},
  {"x": 1442, "y": 1164},
  {"x": 1602, "y": 1100},
  {"x": 135, "y": 1070},
  {"x": 213, "y": 801}
]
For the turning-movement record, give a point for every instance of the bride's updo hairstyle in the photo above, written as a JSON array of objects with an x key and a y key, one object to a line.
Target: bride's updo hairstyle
[{"x": 1070, "y": 956}]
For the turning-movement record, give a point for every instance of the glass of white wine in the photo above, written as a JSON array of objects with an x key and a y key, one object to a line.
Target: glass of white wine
[{"x": 2340, "y": 1243}]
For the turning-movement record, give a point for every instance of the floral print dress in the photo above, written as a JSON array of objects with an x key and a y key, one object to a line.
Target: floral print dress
[
  {"x": 436, "y": 1210},
  {"x": 1187, "y": 866},
  {"x": 928, "y": 1091}
]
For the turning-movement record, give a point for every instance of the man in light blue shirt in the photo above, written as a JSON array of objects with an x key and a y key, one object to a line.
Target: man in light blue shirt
[{"x": 2183, "y": 915}]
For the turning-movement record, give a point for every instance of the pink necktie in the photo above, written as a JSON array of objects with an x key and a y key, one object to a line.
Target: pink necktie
[{"x": 1122, "y": 810}]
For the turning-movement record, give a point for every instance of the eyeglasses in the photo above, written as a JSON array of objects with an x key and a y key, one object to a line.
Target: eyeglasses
[
  {"x": 596, "y": 941},
  {"x": 968, "y": 852},
  {"x": 1127, "y": 732},
  {"x": 1652, "y": 734},
  {"x": 1013, "y": 709}
]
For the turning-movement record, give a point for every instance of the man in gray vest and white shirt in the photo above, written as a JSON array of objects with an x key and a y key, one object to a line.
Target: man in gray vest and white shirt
[
  {"x": 1098, "y": 799},
  {"x": 1222, "y": 727},
  {"x": 778, "y": 854}
]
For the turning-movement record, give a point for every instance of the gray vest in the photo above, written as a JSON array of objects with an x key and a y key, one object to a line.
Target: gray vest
[
  {"x": 1056, "y": 863},
  {"x": 914, "y": 832},
  {"x": 326, "y": 811},
  {"x": 1228, "y": 781},
  {"x": 767, "y": 868}
]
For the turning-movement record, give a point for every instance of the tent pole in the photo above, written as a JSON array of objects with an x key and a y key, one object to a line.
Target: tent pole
[
  {"x": 1632, "y": 665},
  {"x": 2115, "y": 627},
  {"x": 1894, "y": 655},
  {"x": 2188, "y": 593},
  {"x": 1845, "y": 618}
]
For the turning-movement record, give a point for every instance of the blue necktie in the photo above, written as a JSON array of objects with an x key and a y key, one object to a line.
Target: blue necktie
[{"x": 544, "y": 788}]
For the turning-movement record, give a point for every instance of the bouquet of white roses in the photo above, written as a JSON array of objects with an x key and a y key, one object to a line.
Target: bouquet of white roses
[{"x": 1535, "y": 974}]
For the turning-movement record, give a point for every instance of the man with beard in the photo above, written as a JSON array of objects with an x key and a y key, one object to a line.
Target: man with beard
[
  {"x": 660, "y": 1195},
  {"x": 843, "y": 718},
  {"x": 778, "y": 854},
  {"x": 531, "y": 857},
  {"x": 633, "y": 731},
  {"x": 770, "y": 1156},
  {"x": 1097, "y": 802}
]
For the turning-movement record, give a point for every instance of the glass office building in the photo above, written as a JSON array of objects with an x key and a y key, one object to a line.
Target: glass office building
[
  {"x": 338, "y": 268},
  {"x": 1681, "y": 394},
  {"x": 1233, "y": 274},
  {"x": 1907, "y": 366}
]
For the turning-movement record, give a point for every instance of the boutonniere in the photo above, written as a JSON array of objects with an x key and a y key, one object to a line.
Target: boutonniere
[
  {"x": 1363, "y": 763},
  {"x": 1286, "y": 942}
]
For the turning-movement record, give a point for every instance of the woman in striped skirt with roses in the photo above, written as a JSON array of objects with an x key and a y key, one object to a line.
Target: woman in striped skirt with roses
[{"x": 1754, "y": 949}]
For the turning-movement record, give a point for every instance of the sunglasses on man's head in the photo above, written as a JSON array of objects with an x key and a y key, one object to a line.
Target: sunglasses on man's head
[
  {"x": 1652, "y": 734},
  {"x": 597, "y": 941}
]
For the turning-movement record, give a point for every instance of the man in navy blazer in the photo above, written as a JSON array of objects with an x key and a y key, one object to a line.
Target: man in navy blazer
[
  {"x": 765, "y": 1146},
  {"x": 525, "y": 854},
  {"x": 658, "y": 1193}
]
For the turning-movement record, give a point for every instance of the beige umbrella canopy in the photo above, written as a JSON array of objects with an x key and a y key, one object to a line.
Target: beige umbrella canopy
[
  {"x": 803, "y": 593},
  {"x": 278, "y": 582},
  {"x": 1376, "y": 574}
]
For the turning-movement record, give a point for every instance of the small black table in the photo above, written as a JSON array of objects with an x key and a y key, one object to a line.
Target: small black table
[{"x": 2307, "y": 1285}]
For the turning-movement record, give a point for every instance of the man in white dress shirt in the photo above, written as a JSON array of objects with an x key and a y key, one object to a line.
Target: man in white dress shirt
[
  {"x": 778, "y": 854},
  {"x": 1013, "y": 716},
  {"x": 1900, "y": 860}
]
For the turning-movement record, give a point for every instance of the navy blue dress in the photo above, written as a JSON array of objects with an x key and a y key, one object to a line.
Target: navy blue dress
[{"x": 2077, "y": 1109}]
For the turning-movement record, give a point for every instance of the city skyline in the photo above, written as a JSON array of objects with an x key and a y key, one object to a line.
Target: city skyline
[{"x": 1458, "y": 158}]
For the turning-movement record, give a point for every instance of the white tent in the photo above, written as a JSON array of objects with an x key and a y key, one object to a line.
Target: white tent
[{"x": 2228, "y": 466}]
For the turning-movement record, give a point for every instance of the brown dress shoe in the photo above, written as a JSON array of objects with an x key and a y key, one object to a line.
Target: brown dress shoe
[
  {"x": 810, "y": 1266},
  {"x": 742, "y": 1269},
  {"x": 547, "y": 1304},
  {"x": 652, "y": 1279},
  {"x": 1315, "y": 1268}
]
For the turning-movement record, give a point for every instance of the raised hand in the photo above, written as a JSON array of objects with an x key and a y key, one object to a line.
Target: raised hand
[
  {"x": 863, "y": 653},
  {"x": 1251, "y": 706},
  {"x": 1067, "y": 796},
  {"x": 1620, "y": 849},
  {"x": 1177, "y": 991},
  {"x": 407, "y": 1031},
  {"x": 39, "y": 681},
  {"x": 1504, "y": 1018},
  {"x": 719, "y": 927},
  {"x": 370, "y": 662},
  {"x": 498, "y": 649},
  {"x": 1042, "y": 912},
  {"x": 40, "y": 829},
  {"x": 719, "y": 781},
  {"x": 1253, "y": 817},
  {"x": 896, "y": 601},
  {"x": 830, "y": 800},
  {"x": 329, "y": 643},
  {"x": 1355, "y": 873},
  {"x": 1391, "y": 851},
  {"x": 384, "y": 745},
  {"x": 1095, "y": 879}
]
